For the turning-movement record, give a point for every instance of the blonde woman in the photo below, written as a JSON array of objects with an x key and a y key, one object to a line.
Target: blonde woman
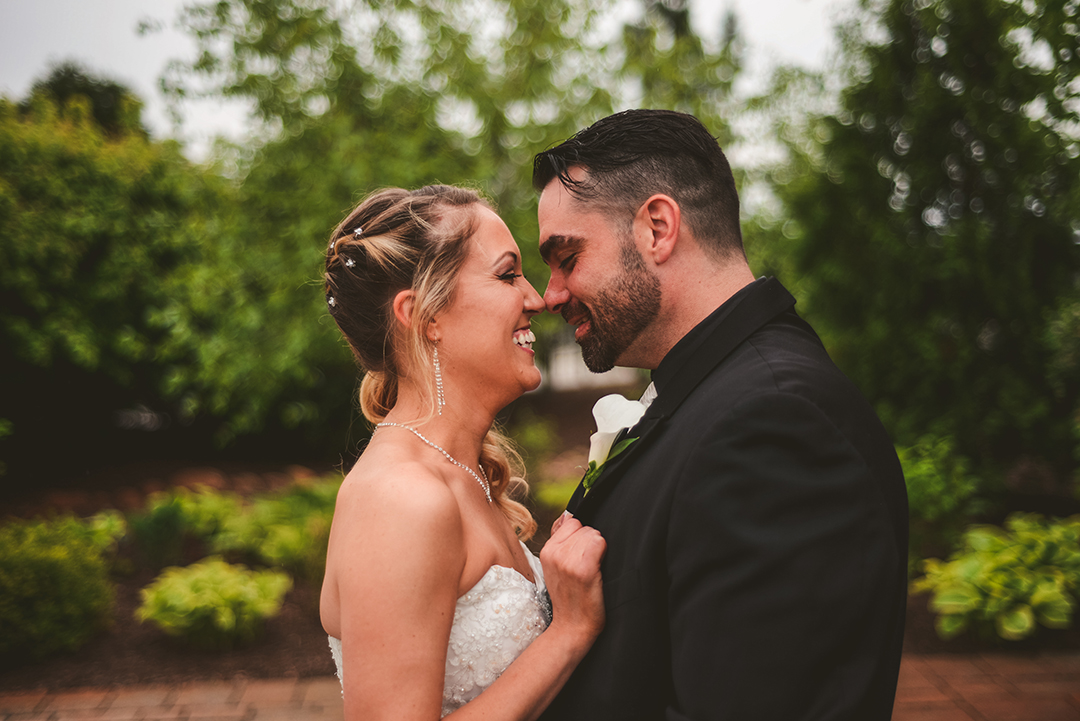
[{"x": 430, "y": 596}]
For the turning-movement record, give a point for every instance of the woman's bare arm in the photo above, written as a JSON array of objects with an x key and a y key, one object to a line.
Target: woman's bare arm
[{"x": 398, "y": 554}]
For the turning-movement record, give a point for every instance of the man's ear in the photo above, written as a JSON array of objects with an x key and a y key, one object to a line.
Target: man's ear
[{"x": 659, "y": 221}]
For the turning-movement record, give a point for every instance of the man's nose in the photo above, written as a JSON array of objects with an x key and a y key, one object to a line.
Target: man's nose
[{"x": 556, "y": 295}]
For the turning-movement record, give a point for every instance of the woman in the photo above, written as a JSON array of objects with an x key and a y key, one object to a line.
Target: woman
[{"x": 428, "y": 586}]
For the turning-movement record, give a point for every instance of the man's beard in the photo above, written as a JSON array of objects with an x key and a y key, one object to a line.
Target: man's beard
[{"x": 619, "y": 312}]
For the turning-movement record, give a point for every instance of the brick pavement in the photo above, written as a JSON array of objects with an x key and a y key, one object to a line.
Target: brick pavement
[
  {"x": 979, "y": 687},
  {"x": 988, "y": 687}
]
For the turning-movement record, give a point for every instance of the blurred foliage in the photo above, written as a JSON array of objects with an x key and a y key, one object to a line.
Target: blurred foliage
[
  {"x": 554, "y": 495},
  {"x": 158, "y": 532},
  {"x": 213, "y": 604},
  {"x": 55, "y": 592},
  {"x": 1008, "y": 580},
  {"x": 534, "y": 435},
  {"x": 943, "y": 496},
  {"x": 196, "y": 291},
  {"x": 287, "y": 530},
  {"x": 938, "y": 481},
  {"x": 114, "y": 108},
  {"x": 180, "y": 522},
  {"x": 92, "y": 224},
  {"x": 359, "y": 95},
  {"x": 932, "y": 224}
]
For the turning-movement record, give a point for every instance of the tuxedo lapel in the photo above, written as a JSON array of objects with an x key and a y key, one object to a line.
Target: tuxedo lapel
[{"x": 760, "y": 306}]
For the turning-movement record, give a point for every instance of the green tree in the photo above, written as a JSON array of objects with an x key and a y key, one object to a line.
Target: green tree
[
  {"x": 92, "y": 223},
  {"x": 932, "y": 220},
  {"x": 115, "y": 109},
  {"x": 358, "y": 96}
]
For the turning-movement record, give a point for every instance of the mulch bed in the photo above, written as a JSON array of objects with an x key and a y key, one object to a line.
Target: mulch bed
[{"x": 292, "y": 644}]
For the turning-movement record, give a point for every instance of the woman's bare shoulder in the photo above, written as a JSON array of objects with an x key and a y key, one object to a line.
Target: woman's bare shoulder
[{"x": 384, "y": 488}]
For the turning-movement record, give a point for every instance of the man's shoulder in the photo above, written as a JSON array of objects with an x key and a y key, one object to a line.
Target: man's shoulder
[{"x": 782, "y": 351}]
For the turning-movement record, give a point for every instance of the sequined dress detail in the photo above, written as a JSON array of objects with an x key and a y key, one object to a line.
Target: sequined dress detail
[{"x": 493, "y": 623}]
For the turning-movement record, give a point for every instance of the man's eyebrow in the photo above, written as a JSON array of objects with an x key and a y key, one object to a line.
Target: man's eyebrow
[{"x": 554, "y": 243}]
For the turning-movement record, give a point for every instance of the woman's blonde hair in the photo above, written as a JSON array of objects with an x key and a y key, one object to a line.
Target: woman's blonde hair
[{"x": 415, "y": 240}]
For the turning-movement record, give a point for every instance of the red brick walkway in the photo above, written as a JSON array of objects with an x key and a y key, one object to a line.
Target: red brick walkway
[
  {"x": 983, "y": 687},
  {"x": 989, "y": 687}
]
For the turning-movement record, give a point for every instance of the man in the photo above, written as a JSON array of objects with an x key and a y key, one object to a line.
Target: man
[{"x": 757, "y": 527}]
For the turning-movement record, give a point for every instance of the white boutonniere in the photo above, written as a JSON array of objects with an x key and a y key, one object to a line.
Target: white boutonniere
[{"x": 613, "y": 413}]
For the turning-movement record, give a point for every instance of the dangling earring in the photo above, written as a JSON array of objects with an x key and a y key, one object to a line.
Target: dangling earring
[{"x": 438, "y": 379}]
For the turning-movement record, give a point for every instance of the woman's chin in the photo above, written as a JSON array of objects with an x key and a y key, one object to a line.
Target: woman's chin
[{"x": 533, "y": 381}]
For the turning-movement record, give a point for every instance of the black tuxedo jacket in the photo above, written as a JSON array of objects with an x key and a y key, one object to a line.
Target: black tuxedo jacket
[{"x": 757, "y": 538}]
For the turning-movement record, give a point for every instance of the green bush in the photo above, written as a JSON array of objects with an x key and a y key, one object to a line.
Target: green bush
[
  {"x": 1007, "y": 580},
  {"x": 158, "y": 532},
  {"x": 938, "y": 482},
  {"x": 213, "y": 604},
  {"x": 179, "y": 517},
  {"x": 942, "y": 496},
  {"x": 204, "y": 511},
  {"x": 288, "y": 530},
  {"x": 55, "y": 592}
]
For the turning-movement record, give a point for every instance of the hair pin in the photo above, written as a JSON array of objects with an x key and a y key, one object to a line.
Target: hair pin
[
  {"x": 358, "y": 232},
  {"x": 333, "y": 243},
  {"x": 330, "y": 301},
  {"x": 349, "y": 262}
]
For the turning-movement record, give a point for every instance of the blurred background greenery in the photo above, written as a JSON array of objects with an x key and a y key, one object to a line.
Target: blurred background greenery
[{"x": 921, "y": 200}]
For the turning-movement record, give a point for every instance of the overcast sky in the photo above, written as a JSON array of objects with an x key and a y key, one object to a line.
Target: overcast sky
[{"x": 102, "y": 35}]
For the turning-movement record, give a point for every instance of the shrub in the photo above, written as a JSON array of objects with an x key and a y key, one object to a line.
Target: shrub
[
  {"x": 158, "y": 532},
  {"x": 938, "y": 482},
  {"x": 204, "y": 511},
  {"x": 105, "y": 529},
  {"x": 179, "y": 517},
  {"x": 1008, "y": 581},
  {"x": 55, "y": 593},
  {"x": 941, "y": 496},
  {"x": 288, "y": 530},
  {"x": 213, "y": 604}
]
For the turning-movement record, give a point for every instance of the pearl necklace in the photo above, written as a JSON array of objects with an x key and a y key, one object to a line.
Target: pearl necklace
[{"x": 483, "y": 483}]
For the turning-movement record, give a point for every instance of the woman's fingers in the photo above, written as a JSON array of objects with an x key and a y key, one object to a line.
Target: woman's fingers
[
  {"x": 575, "y": 549},
  {"x": 558, "y": 521}
]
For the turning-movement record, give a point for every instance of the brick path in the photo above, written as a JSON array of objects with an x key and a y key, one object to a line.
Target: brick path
[
  {"x": 989, "y": 687},
  {"x": 985, "y": 687}
]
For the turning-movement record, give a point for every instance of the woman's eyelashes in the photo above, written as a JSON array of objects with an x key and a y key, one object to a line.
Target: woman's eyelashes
[{"x": 510, "y": 276}]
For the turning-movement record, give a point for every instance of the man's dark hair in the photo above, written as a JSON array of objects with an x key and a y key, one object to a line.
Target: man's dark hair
[{"x": 634, "y": 154}]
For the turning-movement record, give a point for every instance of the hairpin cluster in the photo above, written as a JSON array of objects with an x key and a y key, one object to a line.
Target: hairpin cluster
[{"x": 349, "y": 262}]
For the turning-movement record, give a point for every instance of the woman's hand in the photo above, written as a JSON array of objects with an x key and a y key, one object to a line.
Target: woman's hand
[{"x": 571, "y": 560}]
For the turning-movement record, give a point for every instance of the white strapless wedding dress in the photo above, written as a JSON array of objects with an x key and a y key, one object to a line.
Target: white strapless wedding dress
[{"x": 493, "y": 623}]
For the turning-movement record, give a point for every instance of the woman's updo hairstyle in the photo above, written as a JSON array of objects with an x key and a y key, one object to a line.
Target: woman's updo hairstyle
[{"x": 415, "y": 240}]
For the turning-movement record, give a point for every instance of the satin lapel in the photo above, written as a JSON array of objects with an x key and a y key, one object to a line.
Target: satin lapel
[{"x": 763, "y": 304}]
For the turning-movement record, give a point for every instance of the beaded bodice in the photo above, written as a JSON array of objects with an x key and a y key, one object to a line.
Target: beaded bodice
[{"x": 493, "y": 623}]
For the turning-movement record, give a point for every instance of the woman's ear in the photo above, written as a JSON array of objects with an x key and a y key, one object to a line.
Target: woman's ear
[
  {"x": 403, "y": 307},
  {"x": 433, "y": 331}
]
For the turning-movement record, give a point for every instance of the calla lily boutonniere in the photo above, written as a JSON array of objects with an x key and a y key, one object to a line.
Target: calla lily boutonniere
[{"x": 613, "y": 413}]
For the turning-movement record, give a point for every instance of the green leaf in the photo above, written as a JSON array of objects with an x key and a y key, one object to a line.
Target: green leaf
[
  {"x": 591, "y": 475},
  {"x": 950, "y": 626},
  {"x": 1015, "y": 623},
  {"x": 620, "y": 447},
  {"x": 955, "y": 600}
]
